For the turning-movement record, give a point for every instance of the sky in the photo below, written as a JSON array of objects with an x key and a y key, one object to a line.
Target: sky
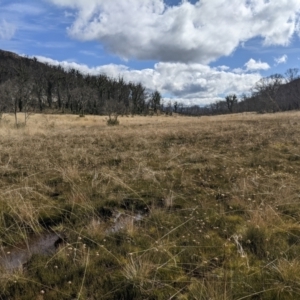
[{"x": 194, "y": 52}]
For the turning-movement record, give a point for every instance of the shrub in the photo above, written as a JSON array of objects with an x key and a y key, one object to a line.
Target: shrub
[{"x": 113, "y": 122}]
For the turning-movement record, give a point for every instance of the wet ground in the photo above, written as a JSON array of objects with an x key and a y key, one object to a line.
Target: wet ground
[
  {"x": 123, "y": 220},
  {"x": 12, "y": 258}
]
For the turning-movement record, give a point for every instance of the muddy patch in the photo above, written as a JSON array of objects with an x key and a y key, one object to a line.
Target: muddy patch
[{"x": 12, "y": 258}]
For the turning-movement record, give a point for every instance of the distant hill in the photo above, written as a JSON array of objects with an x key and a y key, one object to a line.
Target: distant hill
[
  {"x": 288, "y": 95},
  {"x": 8, "y": 54},
  {"x": 11, "y": 63},
  {"x": 272, "y": 96},
  {"x": 26, "y": 83}
]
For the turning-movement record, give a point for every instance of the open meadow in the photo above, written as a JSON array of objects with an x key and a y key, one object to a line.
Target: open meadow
[{"x": 162, "y": 207}]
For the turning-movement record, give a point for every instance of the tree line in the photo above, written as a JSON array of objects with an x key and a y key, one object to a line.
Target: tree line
[
  {"x": 26, "y": 85},
  {"x": 270, "y": 94}
]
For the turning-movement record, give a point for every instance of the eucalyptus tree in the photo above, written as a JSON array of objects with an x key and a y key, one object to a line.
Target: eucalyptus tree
[
  {"x": 38, "y": 83},
  {"x": 138, "y": 98},
  {"x": 155, "y": 100}
]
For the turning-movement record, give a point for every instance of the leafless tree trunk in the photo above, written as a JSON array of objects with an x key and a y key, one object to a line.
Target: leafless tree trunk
[{"x": 266, "y": 89}]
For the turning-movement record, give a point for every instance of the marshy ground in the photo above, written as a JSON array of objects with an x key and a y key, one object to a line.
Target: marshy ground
[{"x": 155, "y": 208}]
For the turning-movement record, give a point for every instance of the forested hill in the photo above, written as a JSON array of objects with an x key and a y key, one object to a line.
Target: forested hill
[
  {"x": 270, "y": 94},
  {"x": 29, "y": 85},
  {"x": 8, "y": 55}
]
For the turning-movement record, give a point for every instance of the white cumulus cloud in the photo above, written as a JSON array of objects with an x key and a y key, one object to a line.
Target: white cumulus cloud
[
  {"x": 201, "y": 32},
  {"x": 281, "y": 60},
  {"x": 253, "y": 65}
]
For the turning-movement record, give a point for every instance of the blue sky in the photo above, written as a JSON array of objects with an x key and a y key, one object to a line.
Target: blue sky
[{"x": 193, "y": 51}]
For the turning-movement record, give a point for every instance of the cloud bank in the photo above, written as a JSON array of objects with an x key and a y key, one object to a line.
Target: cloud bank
[{"x": 187, "y": 33}]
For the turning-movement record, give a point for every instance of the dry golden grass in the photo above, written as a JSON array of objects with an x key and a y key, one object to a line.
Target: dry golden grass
[{"x": 219, "y": 198}]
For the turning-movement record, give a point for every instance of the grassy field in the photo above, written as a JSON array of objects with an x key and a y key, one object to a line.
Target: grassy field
[{"x": 155, "y": 208}]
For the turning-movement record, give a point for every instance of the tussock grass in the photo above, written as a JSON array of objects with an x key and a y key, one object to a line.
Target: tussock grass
[{"x": 155, "y": 208}]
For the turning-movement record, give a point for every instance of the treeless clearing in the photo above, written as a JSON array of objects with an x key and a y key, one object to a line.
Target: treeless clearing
[{"x": 210, "y": 206}]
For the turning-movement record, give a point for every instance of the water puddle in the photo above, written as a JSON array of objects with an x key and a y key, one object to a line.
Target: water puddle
[
  {"x": 12, "y": 258},
  {"x": 122, "y": 220}
]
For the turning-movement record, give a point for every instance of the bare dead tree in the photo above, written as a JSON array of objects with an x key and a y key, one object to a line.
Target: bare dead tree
[
  {"x": 231, "y": 101},
  {"x": 81, "y": 96},
  {"x": 113, "y": 109},
  {"x": 4, "y": 101},
  {"x": 266, "y": 89},
  {"x": 291, "y": 74}
]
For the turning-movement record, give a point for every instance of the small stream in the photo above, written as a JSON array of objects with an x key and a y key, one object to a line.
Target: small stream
[{"x": 12, "y": 258}]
